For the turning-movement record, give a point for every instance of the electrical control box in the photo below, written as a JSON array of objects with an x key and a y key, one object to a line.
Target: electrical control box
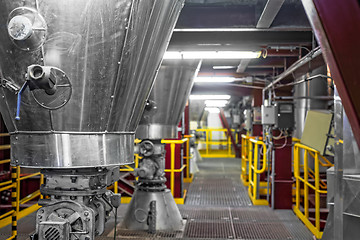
[
  {"x": 284, "y": 115},
  {"x": 268, "y": 115}
]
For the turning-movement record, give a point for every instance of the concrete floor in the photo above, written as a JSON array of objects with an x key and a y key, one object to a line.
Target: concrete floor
[{"x": 217, "y": 207}]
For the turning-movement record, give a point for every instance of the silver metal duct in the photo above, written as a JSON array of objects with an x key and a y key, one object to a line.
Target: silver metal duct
[
  {"x": 90, "y": 66},
  {"x": 344, "y": 184},
  {"x": 168, "y": 99},
  {"x": 307, "y": 97}
]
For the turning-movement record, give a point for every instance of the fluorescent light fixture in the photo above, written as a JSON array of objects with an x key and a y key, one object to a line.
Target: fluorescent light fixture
[
  {"x": 223, "y": 67},
  {"x": 210, "y": 97},
  {"x": 215, "y": 79},
  {"x": 216, "y": 103},
  {"x": 212, "y": 55},
  {"x": 212, "y": 109}
]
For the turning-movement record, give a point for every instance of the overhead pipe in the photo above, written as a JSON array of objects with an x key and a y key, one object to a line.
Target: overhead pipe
[{"x": 306, "y": 59}]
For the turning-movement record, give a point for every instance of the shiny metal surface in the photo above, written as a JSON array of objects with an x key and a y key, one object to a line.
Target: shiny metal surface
[
  {"x": 344, "y": 217},
  {"x": 64, "y": 150},
  {"x": 156, "y": 131},
  {"x": 338, "y": 169},
  {"x": 170, "y": 93},
  {"x": 304, "y": 98},
  {"x": 168, "y": 216},
  {"x": 110, "y": 51}
]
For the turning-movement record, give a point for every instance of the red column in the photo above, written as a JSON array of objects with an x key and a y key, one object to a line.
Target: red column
[{"x": 283, "y": 169}]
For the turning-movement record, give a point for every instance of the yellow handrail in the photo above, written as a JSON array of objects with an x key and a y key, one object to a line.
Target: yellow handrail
[
  {"x": 257, "y": 143},
  {"x": 244, "y": 159},
  {"x": 304, "y": 215},
  {"x": 208, "y": 140},
  {"x": 12, "y": 216},
  {"x": 172, "y": 161},
  {"x": 254, "y": 173},
  {"x": 172, "y": 169},
  {"x": 187, "y": 157}
]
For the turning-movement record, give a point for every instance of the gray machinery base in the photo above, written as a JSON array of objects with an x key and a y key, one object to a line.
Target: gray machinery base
[{"x": 168, "y": 217}]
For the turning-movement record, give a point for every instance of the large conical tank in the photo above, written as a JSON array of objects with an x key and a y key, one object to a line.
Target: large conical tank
[
  {"x": 104, "y": 55},
  {"x": 168, "y": 98}
]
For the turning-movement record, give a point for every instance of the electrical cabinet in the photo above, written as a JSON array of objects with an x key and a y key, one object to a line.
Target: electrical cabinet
[{"x": 284, "y": 115}]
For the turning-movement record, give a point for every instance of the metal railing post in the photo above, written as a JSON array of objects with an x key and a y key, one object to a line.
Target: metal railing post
[
  {"x": 207, "y": 141},
  {"x": 297, "y": 174},
  {"x": 250, "y": 160},
  {"x": 188, "y": 158},
  {"x": 256, "y": 175},
  {"x": 15, "y": 199},
  {"x": 172, "y": 174},
  {"x": 317, "y": 194},
  {"x": 306, "y": 188},
  {"x": 41, "y": 183}
]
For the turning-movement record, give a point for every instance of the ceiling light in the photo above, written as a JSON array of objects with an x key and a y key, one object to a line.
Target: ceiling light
[
  {"x": 223, "y": 67},
  {"x": 210, "y": 97},
  {"x": 212, "y": 55},
  {"x": 212, "y": 110},
  {"x": 216, "y": 103},
  {"x": 215, "y": 79}
]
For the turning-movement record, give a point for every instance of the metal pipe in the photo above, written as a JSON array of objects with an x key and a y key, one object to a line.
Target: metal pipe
[
  {"x": 305, "y": 80},
  {"x": 327, "y": 98},
  {"x": 273, "y": 178},
  {"x": 301, "y": 62}
]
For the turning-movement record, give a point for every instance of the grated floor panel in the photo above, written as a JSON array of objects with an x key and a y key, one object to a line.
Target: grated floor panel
[{"x": 212, "y": 229}]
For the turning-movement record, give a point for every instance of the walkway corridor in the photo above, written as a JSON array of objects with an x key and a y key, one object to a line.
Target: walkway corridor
[{"x": 218, "y": 206}]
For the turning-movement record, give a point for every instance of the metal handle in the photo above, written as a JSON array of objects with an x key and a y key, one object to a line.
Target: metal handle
[{"x": 19, "y": 100}]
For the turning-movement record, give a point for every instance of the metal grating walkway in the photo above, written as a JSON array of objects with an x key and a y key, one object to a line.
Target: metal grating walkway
[{"x": 218, "y": 207}]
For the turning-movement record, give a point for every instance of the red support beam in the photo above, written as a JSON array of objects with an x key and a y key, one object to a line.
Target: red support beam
[{"x": 336, "y": 24}]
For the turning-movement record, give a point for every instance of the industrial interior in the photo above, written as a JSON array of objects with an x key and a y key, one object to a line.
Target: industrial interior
[{"x": 179, "y": 119}]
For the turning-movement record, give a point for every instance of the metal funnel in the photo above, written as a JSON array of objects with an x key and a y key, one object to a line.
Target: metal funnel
[
  {"x": 168, "y": 99},
  {"x": 100, "y": 58}
]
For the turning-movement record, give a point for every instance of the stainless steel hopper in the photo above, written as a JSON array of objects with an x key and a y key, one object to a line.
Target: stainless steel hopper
[
  {"x": 74, "y": 77},
  {"x": 152, "y": 206},
  {"x": 168, "y": 99},
  {"x": 98, "y": 52}
]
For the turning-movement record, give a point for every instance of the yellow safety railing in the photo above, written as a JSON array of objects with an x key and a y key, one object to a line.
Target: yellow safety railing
[
  {"x": 245, "y": 144},
  {"x": 257, "y": 166},
  {"x": 320, "y": 186},
  {"x": 15, "y": 214},
  {"x": 223, "y": 142},
  {"x": 245, "y": 159},
  {"x": 188, "y": 177},
  {"x": 172, "y": 170}
]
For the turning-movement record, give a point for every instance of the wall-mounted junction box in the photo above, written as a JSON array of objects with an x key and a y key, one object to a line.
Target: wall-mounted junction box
[
  {"x": 268, "y": 115},
  {"x": 281, "y": 115}
]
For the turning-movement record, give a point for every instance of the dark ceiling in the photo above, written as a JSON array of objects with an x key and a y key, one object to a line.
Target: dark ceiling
[{"x": 279, "y": 26}]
